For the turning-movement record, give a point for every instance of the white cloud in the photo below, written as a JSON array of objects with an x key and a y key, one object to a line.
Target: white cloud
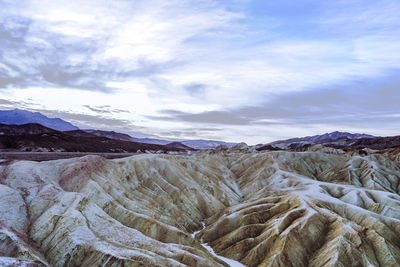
[{"x": 150, "y": 52}]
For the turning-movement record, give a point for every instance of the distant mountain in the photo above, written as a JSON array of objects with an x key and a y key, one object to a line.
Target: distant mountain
[
  {"x": 179, "y": 145},
  {"x": 334, "y": 136},
  {"x": 126, "y": 137},
  {"x": 361, "y": 143},
  {"x": 152, "y": 141},
  {"x": 111, "y": 134},
  {"x": 202, "y": 144},
  {"x": 328, "y": 138},
  {"x": 19, "y": 117},
  {"x": 376, "y": 143},
  {"x": 197, "y": 144},
  {"x": 30, "y": 128},
  {"x": 35, "y": 137}
]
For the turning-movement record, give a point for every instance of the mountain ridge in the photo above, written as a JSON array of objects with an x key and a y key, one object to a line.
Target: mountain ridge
[
  {"x": 327, "y": 137},
  {"x": 19, "y": 117},
  {"x": 35, "y": 137},
  {"x": 336, "y": 138}
]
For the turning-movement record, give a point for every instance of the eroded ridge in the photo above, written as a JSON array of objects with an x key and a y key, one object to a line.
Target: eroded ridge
[
  {"x": 310, "y": 209},
  {"x": 261, "y": 209}
]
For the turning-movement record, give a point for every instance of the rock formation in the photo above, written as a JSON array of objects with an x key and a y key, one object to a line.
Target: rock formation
[{"x": 274, "y": 208}]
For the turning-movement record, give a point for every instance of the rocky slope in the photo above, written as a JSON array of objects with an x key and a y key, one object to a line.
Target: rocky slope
[{"x": 315, "y": 208}]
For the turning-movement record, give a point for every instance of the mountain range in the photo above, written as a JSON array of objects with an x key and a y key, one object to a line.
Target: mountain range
[
  {"x": 338, "y": 138},
  {"x": 35, "y": 123},
  {"x": 19, "y": 117},
  {"x": 38, "y": 138},
  {"x": 337, "y": 204},
  {"x": 197, "y": 144},
  {"x": 325, "y": 138}
]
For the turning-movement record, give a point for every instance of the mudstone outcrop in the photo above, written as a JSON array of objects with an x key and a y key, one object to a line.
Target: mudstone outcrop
[{"x": 276, "y": 208}]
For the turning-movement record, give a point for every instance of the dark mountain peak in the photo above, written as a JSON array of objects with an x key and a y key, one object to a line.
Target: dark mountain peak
[
  {"x": 29, "y": 128},
  {"x": 19, "y": 117},
  {"x": 324, "y": 138},
  {"x": 35, "y": 137},
  {"x": 111, "y": 135},
  {"x": 336, "y": 135}
]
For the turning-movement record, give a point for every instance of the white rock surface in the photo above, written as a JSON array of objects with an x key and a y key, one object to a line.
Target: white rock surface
[{"x": 313, "y": 208}]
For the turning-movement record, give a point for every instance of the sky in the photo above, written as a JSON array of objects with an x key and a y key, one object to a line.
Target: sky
[{"x": 239, "y": 70}]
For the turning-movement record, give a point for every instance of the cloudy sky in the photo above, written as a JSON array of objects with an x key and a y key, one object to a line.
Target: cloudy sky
[{"x": 238, "y": 70}]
